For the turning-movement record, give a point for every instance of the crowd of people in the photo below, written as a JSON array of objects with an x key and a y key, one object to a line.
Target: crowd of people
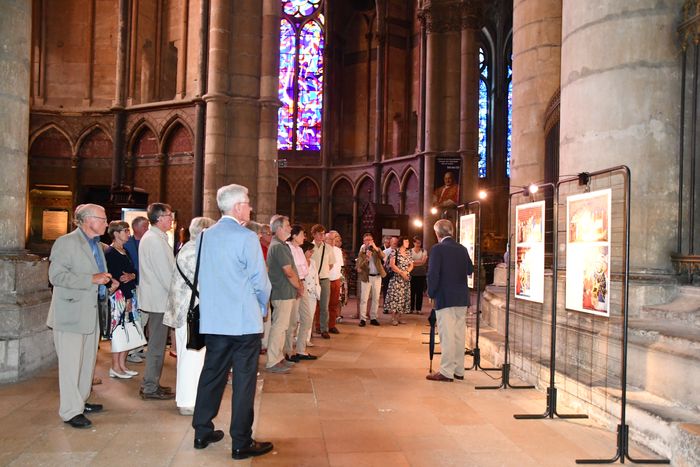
[{"x": 261, "y": 289}]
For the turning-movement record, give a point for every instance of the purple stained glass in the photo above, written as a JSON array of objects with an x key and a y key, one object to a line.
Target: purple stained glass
[
  {"x": 483, "y": 113},
  {"x": 310, "y": 81},
  {"x": 285, "y": 119},
  {"x": 510, "y": 121},
  {"x": 300, "y": 8}
]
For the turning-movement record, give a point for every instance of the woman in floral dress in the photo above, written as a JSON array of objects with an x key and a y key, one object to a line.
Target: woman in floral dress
[{"x": 398, "y": 296}]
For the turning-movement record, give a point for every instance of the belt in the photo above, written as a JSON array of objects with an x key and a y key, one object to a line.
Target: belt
[{"x": 373, "y": 275}]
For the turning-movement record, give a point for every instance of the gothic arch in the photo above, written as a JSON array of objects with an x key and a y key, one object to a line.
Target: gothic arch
[
  {"x": 363, "y": 181},
  {"x": 307, "y": 201},
  {"x": 407, "y": 174},
  {"x": 392, "y": 191},
  {"x": 43, "y": 130},
  {"x": 88, "y": 131},
  {"x": 178, "y": 178},
  {"x": 172, "y": 125},
  {"x": 136, "y": 131},
  {"x": 340, "y": 179},
  {"x": 284, "y": 197},
  {"x": 410, "y": 187},
  {"x": 387, "y": 179}
]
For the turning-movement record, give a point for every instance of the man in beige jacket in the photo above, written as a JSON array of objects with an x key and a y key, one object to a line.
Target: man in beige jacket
[
  {"x": 78, "y": 273},
  {"x": 156, "y": 266}
]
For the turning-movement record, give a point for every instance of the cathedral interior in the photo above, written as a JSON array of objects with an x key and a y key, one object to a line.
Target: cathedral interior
[{"x": 383, "y": 116}]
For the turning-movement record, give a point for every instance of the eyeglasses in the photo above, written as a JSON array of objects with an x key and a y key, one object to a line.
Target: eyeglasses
[
  {"x": 166, "y": 215},
  {"x": 103, "y": 219}
]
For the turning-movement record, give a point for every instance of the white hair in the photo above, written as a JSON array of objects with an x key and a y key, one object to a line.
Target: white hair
[
  {"x": 84, "y": 211},
  {"x": 277, "y": 221},
  {"x": 229, "y": 195},
  {"x": 443, "y": 228},
  {"x": 200, "y": 223}
]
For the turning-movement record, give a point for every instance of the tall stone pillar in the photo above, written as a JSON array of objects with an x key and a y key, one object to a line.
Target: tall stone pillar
[
  {"x": 442, "y": 21},
  {"x": 620, "y": 104},
  {"x": 469, "y": 103},
  {"x": 269, "y": 103},
  {"x": 25, "y": 342},
  {"x": 216, "y": 98},
  {"x": 536, "y": 74}
]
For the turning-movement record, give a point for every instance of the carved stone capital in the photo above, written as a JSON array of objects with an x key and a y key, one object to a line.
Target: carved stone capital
[{"x": 450, "y": 16}]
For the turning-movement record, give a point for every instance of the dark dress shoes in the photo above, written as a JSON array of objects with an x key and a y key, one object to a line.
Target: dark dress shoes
[
  {"x": 211, "y": 437},
  {"x": 255, "y": 448},
  {"x": 79, "y": 421},
  {"x": 459, "y": 377},
  {"x": 293, "y": 358},
  {"x": 334, "y": 330},
  {"x": 437, "y": 376},
  {"x": 93, "y": 408},
  {"x": 302, "y": 356},
  {"x": 325, "y": 335},
  {"x": 374, "y": 322},
  {"x": 362, "y": 323}
]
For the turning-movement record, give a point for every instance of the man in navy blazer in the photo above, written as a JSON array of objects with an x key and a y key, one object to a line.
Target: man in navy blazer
[
  {"x": 233, "y": 293},
  {"x": 449, "y": 265}
]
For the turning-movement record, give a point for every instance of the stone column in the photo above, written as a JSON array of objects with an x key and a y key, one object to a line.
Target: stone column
[
  {"x": 216, "y": 99},
  {"x": 620, "y": 101},
  {"x": 536, "y": 73},
  {"x": 469, "y": 103},
  {"x": 269, "y": 103},
  {"x": 442, "y": 22},
  {"x": 26, "y": 345}
]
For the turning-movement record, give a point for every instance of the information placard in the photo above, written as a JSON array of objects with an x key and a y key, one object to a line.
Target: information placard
[
  {"x": 467, "y": 236},
  {"x": 529, "y": 251},
  {"x": 588, "y": 252},
  {"x": 53, "y": 224}
]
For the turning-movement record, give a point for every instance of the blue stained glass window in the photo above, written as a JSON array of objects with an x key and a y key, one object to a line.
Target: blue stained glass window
[
  {"x": 510, "y": 117},
  {"x": 483, "y": 113},
  {"x": 301, "y": 75}
]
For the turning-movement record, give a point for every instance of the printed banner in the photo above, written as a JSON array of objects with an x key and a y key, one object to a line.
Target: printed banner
[
  {"x": 529, "y": 251},
  {"x": 467, "y": 237},
  {"x": 446, "y": 183},
  {"x": 588, "y": 252}
]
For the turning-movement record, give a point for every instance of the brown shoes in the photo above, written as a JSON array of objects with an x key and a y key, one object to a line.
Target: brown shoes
[
  {"x": 437, "y": 376},
  {"x": 158, "y": 395}
]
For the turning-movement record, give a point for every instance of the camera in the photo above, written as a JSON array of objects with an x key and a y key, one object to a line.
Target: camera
[{"x": 370, "y": 248}]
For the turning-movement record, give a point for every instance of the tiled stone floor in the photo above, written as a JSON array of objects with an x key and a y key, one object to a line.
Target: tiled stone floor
[{"x": 364, "y": 402}]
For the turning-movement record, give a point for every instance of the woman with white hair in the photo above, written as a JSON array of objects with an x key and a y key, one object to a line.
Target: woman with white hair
[{"x": 189, "y": 362}]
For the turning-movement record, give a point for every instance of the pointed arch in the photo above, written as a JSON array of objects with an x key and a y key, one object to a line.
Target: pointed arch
[
  {"x": 177, "y": 146},
  {"x": 411, "y": 189},
  {"x": 307, "y": 201},
  {"x": 387, "y": 179},
  {"x": 362, "y": 184},
  {"x": 136, "y": 134},
  {"x": 87, "y": 132},
  {"x": 46, "y": 141},
  {"x": 340, "y": 179},
  {"x": 407, "y": 174},
  {"x": 284, "y": 196},
  {"x": 173, "y": 125},
  {"x": 392, "y": 191},
  {"x": 94, "y": 143}
]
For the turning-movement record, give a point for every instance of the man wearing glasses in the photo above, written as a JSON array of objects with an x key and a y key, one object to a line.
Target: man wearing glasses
[
  {"x": 78, "y": 273},
  {"x": 156, "y": 266}
]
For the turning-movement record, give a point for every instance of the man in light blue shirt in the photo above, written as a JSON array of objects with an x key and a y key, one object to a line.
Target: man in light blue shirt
[{"x": 233, "y": 291}]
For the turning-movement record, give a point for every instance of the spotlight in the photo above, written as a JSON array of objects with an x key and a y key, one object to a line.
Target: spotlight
[
  {"x": 533, "y": 188},
  {"x": 433, "y": 210},
  {"x": 418, "y": 223},
  {"x": 483, "y": 194}
]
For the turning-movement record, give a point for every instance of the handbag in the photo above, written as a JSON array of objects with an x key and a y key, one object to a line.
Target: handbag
[
  {"x": 127, "y": 335},
  {"x": 195, "y": 340}
]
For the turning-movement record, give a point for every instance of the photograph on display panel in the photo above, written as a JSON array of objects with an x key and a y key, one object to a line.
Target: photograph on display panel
[
  {"x": 588, "y": 252},
  {"x": 467, "y": 238},
  {"x": 529, "y": 249}
]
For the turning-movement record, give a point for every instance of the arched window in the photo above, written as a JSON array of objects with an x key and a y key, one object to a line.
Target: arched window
[
  {"x": 484, "y": 111},
  {"x": 301, "y": 75},
  {"x": 509, "y": 81}
]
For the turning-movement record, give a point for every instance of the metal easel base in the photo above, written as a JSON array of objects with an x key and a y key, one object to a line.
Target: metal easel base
[{"x": 505, "y": 380}]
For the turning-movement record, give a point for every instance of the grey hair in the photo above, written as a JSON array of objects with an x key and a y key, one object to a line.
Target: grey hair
[
  {"x": 254, "y": 226},
  {"x": 230, "y": 195},
  {"x": 138, "y": 221},
  {"x": 84, "y": 211},
  {"x": 277, "y": 221},
  {"x": 200, "y": 223},
  {"x": 443, "y": 228}
]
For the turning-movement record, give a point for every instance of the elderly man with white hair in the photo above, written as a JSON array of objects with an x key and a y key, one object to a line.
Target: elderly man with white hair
[{"x": 189, "y": 361}]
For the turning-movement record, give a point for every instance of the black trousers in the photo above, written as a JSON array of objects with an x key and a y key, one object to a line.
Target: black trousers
[
  {"x": 417, "y": 289},
  {"x": 223, "y": 353}
]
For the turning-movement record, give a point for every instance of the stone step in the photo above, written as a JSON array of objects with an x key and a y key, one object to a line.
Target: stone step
[{"x": 684, "y": 308}]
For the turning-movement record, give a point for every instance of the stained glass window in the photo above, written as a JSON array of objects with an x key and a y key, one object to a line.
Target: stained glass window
[
  {"x": 301, "y": 75},
  {"x": 509, "y": 78},
  {"x": 483, "y": 112}
]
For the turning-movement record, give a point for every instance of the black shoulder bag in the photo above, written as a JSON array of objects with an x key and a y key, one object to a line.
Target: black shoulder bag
[{"x": 195, "y": 340}]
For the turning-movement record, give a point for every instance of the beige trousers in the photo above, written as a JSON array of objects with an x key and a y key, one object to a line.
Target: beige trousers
[
  {"x": 452, "y": 326},
  {"x": 278, "y": 331}
]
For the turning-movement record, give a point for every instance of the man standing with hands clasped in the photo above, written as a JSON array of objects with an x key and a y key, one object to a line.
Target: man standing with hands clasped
[
  {"x": 448, "y": 267},
  {"x": 81, "y": 283},
  {"x": 233, "y": 291}
]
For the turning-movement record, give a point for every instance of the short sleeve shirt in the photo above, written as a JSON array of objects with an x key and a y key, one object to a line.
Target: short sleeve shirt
[{"x": 278, "y": 256}]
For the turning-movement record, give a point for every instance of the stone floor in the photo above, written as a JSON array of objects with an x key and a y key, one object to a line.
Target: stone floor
[{"x": 364, "y": 402}]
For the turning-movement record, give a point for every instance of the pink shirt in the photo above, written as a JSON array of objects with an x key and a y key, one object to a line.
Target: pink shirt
[{"x": 299, "y": 260}]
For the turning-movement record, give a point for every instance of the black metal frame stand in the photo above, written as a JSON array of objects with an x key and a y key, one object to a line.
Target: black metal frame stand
[
  {"x": 475, "y": 352},
  {"x": 622, "y": 452},
  {"x": 551, "y": 410},
  {"x": 505, "y": 368}
]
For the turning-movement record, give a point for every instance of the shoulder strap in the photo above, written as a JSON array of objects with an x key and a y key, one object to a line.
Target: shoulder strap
[
  {"x": 195, "y": 292},
  {"x": 323, "y": 255}
]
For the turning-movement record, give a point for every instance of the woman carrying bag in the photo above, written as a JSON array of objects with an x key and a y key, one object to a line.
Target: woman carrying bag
[{"x": 123, "y": 300}]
